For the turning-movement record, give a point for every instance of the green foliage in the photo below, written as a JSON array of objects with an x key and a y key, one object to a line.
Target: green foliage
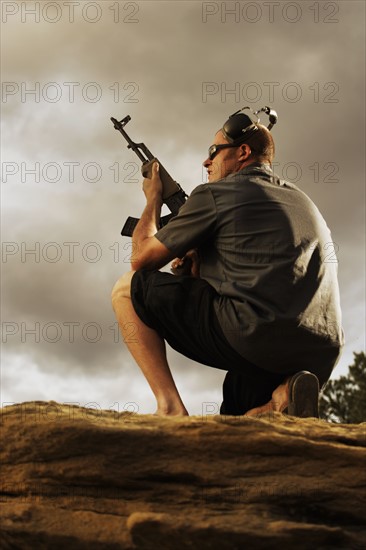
[{"x": 344, "y": 400}]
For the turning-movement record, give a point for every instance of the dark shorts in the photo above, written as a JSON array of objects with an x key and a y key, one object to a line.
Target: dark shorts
[{"x": 181, "y": 310}]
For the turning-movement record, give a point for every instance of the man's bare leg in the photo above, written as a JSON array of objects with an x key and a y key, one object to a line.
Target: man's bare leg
[
  {"x": 279, "y": 401},
  {"x": 148, "y": 350}
]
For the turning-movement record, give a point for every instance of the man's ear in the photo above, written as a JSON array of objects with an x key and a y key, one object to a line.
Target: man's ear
[{"x": 245, "y": 152}]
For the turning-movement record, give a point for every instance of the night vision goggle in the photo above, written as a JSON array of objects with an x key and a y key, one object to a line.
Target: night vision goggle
[{"x": 239, "y": 127}]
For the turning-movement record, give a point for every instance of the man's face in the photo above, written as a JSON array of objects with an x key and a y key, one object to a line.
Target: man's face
[{"x": 226, "y": 161}]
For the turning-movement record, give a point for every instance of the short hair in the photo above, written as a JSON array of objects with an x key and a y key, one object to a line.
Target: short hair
[{"x": 262, "y": 145}]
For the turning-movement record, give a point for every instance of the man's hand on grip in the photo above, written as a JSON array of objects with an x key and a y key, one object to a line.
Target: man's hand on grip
[
  {"x": 153, "y": 187},
  {"x": 188, "y": 265}
]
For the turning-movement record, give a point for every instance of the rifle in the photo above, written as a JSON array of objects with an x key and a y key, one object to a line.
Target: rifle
[{"x": 173, "y": 194}]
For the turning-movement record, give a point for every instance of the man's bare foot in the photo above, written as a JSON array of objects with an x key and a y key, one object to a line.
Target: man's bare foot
[
  {"x": 279, "y": 401},
  {"x": 165, "y": 411},
  {"x": 170, "y": 406}
]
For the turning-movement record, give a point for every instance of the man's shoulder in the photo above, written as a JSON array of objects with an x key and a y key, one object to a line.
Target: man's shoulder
[
  {"x": 246, "y": 183},
  {"x": 201, "y": 189},
  {"x": 254, "y": 182},
  {"x": 256, "y": 173}
]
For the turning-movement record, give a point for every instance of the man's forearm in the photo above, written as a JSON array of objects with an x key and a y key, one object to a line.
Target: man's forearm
[
  {"x": 147, "y": 251},
  {"x": 148, "y": 223}
]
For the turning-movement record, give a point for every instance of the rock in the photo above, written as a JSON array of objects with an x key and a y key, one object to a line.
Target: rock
[{"x": 85, "y": 479}]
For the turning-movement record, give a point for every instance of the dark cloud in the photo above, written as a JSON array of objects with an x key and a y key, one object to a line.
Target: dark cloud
[{"x": 179, "y": 78}]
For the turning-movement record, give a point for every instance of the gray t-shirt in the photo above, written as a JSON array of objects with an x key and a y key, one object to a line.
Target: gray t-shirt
[{"x": 267, "y": 251}]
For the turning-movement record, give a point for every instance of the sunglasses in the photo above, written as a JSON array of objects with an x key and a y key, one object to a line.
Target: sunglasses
[{"x": 214, "y": 149}]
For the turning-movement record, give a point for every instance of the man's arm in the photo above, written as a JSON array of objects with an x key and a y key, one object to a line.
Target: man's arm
[{"x": 147, "y": 251}]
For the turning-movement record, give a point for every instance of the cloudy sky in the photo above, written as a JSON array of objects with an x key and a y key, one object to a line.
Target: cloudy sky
[{"x": 68, "y": 181}]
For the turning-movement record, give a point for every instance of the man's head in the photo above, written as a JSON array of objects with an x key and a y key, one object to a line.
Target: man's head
[{"x": 223, "y": 161}]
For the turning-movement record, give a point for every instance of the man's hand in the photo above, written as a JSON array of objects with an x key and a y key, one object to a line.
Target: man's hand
[
  {"x": 188, "y": 265},
  {"x": 153, "y": 187}
]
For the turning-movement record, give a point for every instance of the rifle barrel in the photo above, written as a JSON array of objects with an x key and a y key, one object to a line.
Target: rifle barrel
[{"x": 131, "y": 144}]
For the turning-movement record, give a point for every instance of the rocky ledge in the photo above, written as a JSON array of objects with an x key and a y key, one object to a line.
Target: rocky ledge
[{"x": 85, "y": 479}]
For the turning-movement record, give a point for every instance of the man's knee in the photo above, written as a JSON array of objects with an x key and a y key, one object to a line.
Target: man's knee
[{"x": 122, "y": 288}]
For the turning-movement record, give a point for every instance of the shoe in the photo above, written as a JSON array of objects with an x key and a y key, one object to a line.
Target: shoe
[{"x": 303, "y": 395}]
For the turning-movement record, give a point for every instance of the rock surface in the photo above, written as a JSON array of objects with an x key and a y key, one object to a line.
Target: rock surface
[{"x": 84, "y": 479}]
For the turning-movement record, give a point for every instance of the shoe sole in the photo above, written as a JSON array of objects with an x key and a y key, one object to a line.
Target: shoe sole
[{"x": 304, "y": 395}]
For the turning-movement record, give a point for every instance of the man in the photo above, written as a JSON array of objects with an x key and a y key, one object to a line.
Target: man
[{"x": 262, "y": 301}]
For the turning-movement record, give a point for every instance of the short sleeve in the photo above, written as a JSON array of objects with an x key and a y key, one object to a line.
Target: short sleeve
[{"x": 194, "y": 223}]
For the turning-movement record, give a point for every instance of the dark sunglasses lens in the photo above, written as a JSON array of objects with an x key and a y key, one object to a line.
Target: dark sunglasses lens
[{"x": 212, "y": 152}]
